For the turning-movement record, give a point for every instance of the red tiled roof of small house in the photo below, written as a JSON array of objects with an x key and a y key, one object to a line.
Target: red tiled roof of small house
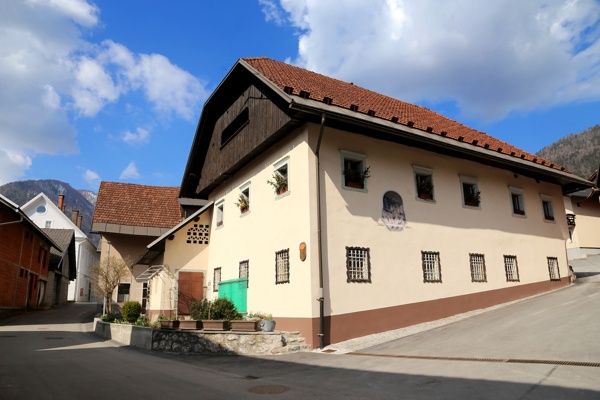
[
  {"x": 294, "y": 80},
  {"x": 137, "y": 205}
]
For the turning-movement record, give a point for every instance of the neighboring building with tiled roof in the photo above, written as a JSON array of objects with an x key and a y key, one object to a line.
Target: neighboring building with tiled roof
[
  {"x": 386, "y": 212},
  {"x": 62, "y": 267}
]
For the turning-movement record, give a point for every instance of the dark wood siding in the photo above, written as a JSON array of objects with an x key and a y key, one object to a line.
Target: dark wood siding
[{"x": 265, "y": 120}]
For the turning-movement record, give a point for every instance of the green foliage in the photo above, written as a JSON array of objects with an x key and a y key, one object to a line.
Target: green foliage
[
  {"x": 259, "y": 315},
  {"x": 110, "y": 317},
  {"x": 279, "y": 183},
  {"x": 131, "y": 311},
  {"x": 218, "y": 309},
  {"x": 162, "y": 317},
  {"x": 142, "y": 321},
  {"x": 243, "y": 203}
]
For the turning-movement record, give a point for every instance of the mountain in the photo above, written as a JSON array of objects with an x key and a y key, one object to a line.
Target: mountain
[
  {"x": 578, "y": 152},
  {"x": 84, "y": 201}
]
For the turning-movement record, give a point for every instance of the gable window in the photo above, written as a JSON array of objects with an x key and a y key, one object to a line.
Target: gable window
[
  {"x": 235, "y": 126},
  {"x": 432, "y": 269},
  {"x": 48, "y": 224},
  {"x": 517, "y": 201},
  {"x": 282, "y": 266},
  {"x": 220, "y": 210},
  {"x": 358, "y": 264},
  {"x": 553, "y": 269},
  {"x": 424, "y": 183},
  {"x": 243, "y": 202},
  {"x": 216, "y": 279},
  {"x": 547, "y": 208},
  {"x": 245, "y": 269},
  {"x": 280, "y": 179},
  {"x": 511, "y": 268},
  {"x": 123, "y": 292},
  {"x": 471, "y": 195},
  {"x": 477, "y": 262},
  {"x": 354, "y": 171}
]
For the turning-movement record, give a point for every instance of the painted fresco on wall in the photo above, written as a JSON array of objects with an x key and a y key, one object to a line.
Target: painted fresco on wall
[{"x": 392, "y": 214}]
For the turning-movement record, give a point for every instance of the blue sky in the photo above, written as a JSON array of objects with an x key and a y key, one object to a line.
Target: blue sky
[{"x": 113, "y": 90}]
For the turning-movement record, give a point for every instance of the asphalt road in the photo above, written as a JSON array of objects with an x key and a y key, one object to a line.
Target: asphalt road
[{"x": 540, "y": 348}]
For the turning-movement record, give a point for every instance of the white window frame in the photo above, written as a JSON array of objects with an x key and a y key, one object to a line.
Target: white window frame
[
  {"x": 349, "y": 155},
  {"x": 469, "y": 180},
  {"x": 246, "y": 188},
  {"x": 423, "y": 171},
  {"x": 547, "y": 199},
  {"x": 521, "y": 195},
  {"x": 284, "y": 162},
  {"x": 220, "y": 214}
]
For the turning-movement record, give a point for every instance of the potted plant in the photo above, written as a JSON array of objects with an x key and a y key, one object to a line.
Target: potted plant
[
  {"x": 265, "y": 321},
  {"x": 249, "y": 323},
  {"x": 243, "y": 203},
  {"x": 168, "y": 322},
  {"x": 279, "y": 183},
  {"x": 425, "y": 188},
  {"x": 472, "y": 197},
  {"x": 355, "y": 178},
  {"x": 190, "y": 324},
  {"x": 216, "y": 315}
]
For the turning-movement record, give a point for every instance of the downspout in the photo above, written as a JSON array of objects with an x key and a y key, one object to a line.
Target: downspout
[{"x": 321, "y": 298}]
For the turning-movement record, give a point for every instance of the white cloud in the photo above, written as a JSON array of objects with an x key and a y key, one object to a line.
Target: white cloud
[
  {"x": 140, "y": 135},
  {"x": 491, "y": 58},
  {"x": 272, "y": 11},
  {"x": 92, "y": 178},
  {"x": 49, "y": 73},
  {"x": 130, "y": 172},
  {"x": 12, "y": 165}
]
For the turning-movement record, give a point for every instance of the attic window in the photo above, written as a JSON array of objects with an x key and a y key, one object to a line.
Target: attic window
[
  {"x": 304, "y": 94},
  {"x": 235, "y": 126},
  {"x": 371, "y": 113},
  {"x": 353, "y": 107},
  {"x": 394, "y": 119},
  {"x": 327, "y": 100},
  {"x": 288, "y": 89}
]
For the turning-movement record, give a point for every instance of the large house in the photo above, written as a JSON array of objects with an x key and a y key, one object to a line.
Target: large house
[
  {"x": 583, "y": 216},
  {"x": 45, "y": 214},
  {"x": 24, "y": 260},
  {"x": 344, "y": 212}
]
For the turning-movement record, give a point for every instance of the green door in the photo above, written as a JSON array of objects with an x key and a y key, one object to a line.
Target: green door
[{"x": 235, "y": 290}]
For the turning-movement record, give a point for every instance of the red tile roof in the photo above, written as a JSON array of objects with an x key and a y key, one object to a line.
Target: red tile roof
[
  {"x": 137, "y": 205},
  {"x": 294, "y": 80}
]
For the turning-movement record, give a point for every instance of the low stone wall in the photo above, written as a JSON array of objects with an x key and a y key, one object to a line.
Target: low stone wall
[{"x": 202, "y": 342}]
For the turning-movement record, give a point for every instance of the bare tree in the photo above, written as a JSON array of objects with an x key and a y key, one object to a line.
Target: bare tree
[{"x": 106, "y": 276}]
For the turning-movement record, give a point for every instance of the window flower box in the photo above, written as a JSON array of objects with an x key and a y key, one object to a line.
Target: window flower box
[{"x": 244, "y": 326}]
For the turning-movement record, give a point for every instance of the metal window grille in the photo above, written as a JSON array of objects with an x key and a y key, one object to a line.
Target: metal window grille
[
  {"x": 216, "y": 279},
  {"x": 477, "y": 262},
  {"x": 358, "y": 264},
  {"x": 553, "y": 269},
  {"x": 244, "y": 268},
  {"x": 432, "y": 269},
  {"x": 282, "y": 266},
  {"x": 512, "y": 269}
]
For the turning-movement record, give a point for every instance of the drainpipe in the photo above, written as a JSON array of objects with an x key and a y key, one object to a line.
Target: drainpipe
[{"x": 321, "y": 298}]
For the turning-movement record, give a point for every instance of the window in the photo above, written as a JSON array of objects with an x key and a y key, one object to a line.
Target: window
[
  {"x": 358, "y": 264},
  {"x": 547, "y": 207},
  {"x": 244, "y": 269},
  {"x": 511, "y": 268},
  {"x": 123, "y": 292},
  {"x": 517, "y": 201},
  {"x": 424, "y": 183},
  {"x": 432, "y": 270},
  {"x": 282, "y": 266},
  {"x": 41, "y": 209},
  {"x": 216, "y": 279},
  {"x": 471, "y": 195},
  {"x": 553, "y": 269},
  {"x": 48, "y": 224},
  {"x": 280, "y": 179},
  {"x": 477, "y": 262},
  {"x": 243, "y": 202},
  {"x": 354, "y": 171},
  {"x": 220, "y": 209},
  {"x": 235, "y": 126}
]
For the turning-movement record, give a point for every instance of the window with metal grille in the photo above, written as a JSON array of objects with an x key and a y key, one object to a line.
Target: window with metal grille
[
  {"x": 244, "y": 268},
  {"x": 432, "y": 269},
  {"x": 553, "y": 269},
  {"x": 512, "y": 268},
  {"x": 477, "y": 262},
  {"x": 282, "y": 266},
  {"x": 358, "y": 264},
  {"x": 216, "y": 279}
]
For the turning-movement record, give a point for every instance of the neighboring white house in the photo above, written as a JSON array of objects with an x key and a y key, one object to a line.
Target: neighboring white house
[{"x": 45, "y": 214}]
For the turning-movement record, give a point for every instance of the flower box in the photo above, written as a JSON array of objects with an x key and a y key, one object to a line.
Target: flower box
[
  {"x": 190, "y": 324},
  {"x": 215, "y": 325},
  {"x": 244, "y": 326},
  {"x": 169, "y": 324}
]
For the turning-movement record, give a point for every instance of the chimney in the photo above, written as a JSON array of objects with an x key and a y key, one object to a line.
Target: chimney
[
  {"x": 74, "y": 216},
  {"x": 61, "y": 202},
  {"x": 79, "y": 219}
]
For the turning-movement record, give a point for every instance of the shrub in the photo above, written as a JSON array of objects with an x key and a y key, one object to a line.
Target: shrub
[
  {"x": 218, "y": 309},
  {"x": 199, "y": 309},
  {"x": 131, "y": 311},
  {"x": 142, "y": 321}
]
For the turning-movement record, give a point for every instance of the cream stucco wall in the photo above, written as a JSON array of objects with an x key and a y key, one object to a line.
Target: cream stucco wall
[
  {"x": 353, "y": 218},
  {"x": 273, "y": 223},
  {"x": 585, "y": 234}
]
